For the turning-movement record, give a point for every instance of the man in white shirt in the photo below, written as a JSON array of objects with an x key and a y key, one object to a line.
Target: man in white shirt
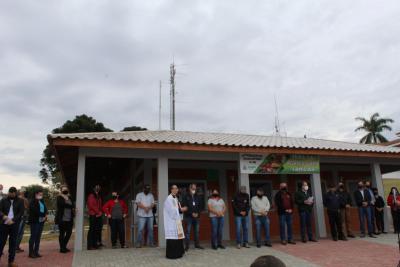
[
  {"x": 260, "y": 206},
  {"x": 145, "y": 204}
]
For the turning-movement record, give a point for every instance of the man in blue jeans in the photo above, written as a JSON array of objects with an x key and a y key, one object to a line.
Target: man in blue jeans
[
  {"x": 260, "y": 206},
  {"x": 241, "y": 208},
  {"x": 363, "y": 201},
  {"x": 284, "y": 204},
  {"x": 193, "y": 204},
  {"x": 145, "y": 204}
]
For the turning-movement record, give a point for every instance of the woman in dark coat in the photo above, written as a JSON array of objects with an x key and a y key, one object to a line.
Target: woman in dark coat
[
  {"x": 64, "y": 218},
  {"x": 37, "y": 217}
]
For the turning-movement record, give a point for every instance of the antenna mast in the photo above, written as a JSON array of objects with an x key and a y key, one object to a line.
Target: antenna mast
[
  {"x": 159, "y": 108},
  {"x": 172, "y": 72},
  {"x": 277, "y": 126}
]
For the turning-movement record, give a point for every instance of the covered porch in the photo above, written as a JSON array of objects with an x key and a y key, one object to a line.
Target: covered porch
[{"x": 126, "y": 161}]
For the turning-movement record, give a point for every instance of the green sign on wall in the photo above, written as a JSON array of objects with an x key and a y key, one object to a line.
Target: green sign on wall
[{"x": 279, "y": 164}]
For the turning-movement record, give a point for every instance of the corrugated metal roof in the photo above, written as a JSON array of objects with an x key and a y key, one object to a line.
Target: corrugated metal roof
[{"x": 227, "y": 139}]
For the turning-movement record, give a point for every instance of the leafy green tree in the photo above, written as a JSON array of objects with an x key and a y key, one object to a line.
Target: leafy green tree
[
  {"x": 374, "y": 127},
  {"x": 49, "y": 171},
  {"x": 133, "y": 128},
  {"x": 49, "y": 194}
]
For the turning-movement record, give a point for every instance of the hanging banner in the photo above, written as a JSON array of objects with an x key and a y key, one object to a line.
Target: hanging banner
[{"x": 278, "y": 164}]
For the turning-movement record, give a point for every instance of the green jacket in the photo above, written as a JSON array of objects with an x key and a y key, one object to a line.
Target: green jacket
[{"x": 299, "y": 199}]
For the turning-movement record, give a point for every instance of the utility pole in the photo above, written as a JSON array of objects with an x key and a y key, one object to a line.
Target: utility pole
[
  {"x": 159, "y": 109},
  {"x": 277, "y": 124},
  {"x": 172, "y": 72}
]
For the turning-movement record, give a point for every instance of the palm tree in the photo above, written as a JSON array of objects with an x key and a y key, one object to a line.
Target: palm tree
[{"x": 374, "y": 126}]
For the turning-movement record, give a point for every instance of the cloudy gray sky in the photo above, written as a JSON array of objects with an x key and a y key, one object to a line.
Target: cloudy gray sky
[{"x": 326, "y": 61}]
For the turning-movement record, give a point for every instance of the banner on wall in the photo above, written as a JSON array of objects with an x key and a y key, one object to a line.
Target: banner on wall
[{"x": 278, "y": 164}]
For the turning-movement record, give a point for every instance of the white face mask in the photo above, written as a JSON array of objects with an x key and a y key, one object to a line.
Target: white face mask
[
  {"x": 193, "y": 192},
  {"x": 305, "y": 188},
  {"x": 39, "y": 197}
]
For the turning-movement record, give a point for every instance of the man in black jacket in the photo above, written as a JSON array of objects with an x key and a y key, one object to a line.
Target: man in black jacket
[
  {"x": 333, "y": 201},
  {"x": 345, "y": 210},
  {"x": 192, "y": 215},
  {"x": 241, "y": 208},
  {"x": 12, "y": 210},
  {"x": 363, "y": 201}
]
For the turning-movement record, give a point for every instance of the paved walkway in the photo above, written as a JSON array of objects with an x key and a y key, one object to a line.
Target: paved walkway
[
  {"x": 50, "y": 252},
  {"x": 379, "y": 252}
]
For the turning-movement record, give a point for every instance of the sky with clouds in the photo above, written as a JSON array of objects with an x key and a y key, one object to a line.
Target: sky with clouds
[{"x": 326, "y": 61}]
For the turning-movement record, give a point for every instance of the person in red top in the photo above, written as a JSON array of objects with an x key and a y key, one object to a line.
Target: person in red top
[
  {"x": 116, "y": 211},
  {"x": 393, "y": 201},
  {"x": 94, "y": 206}
]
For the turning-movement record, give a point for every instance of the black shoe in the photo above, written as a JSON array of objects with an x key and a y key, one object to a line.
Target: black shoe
[
  {"x": 335, "y": 238},
  {"x": 351, "y": 236},
  {"x": 362, "y": 235},
  {"x": 186, "y": 248},
  {"x": 258, "y": 245},
  {"x": 343, "y": 238},
  {"x": 371, "y": 236},
  {"x": 291, "y": 242},
  {"x": 114, "y": 246},
  {"x": 313, "y": 240},
  {"x": 63, "y": 250},
  {"x": 268, "y": 244},
  {"x": 67, "y": 250},
  {"x": 31, "y": 255},
  {"x": 19, "y": 250},
  {"x": 283, "y": 242},
  {"x": 38, "y": 255},
  {"x": 384, "y": 232},
  {"x": 214, "y": 247},
  {"x": 246, "y": 245},
  {"x": 199, "y": 247},
  {"x": 221, "y": 247},
  {"x": 304, "y": 240}
]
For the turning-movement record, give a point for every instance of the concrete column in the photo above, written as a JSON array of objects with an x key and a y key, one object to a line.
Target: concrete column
[
  {"x": 147, "y": 177},
  {"x": 224, "y": 195},
  {"x": 245, "y": 181},
  {"x": 378, "y": 183},
  {"x": 162, "y": 186},
  {"x": 319, "y": 214},
  {"x": 80, "y": 202}
]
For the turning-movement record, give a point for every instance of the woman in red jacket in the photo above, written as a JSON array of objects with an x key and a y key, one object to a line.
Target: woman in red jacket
[
  {"x": 393, "y": 201},
  {"x": 116, "y": 211}
]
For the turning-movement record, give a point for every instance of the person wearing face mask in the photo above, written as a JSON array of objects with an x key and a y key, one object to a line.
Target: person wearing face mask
[
  {"x": 363, "y": 201},
  {"x": 260, "y": 206},
  {"x": 379, "y": 212},
  {"x": 241, "y": 209},
  {"x": 216, "y": 209},
  {"x": 145, "y": 204},
  {"x": 284, "y": 203},
  {"x": 11, "y": 212},
  {"x": 372, "y": 205},
  {"x": 64, "y": 218},
  {"x": 22, "y": 194},
  {"x": 173, "y": 228},
  {"x": 333, "y": 201},
  {"x": 37, "y": 218},
  {"x": 305, "y": 203},
  {"x": 116, "y": 210},
  {"x": 393, "y": 200},
  {"x": 94, "y": 207},
  {"x": 191, "y": 216},
  {"x": 345, "y": 210}
]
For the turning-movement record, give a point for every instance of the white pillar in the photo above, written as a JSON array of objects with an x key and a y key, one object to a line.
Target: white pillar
[
  {"x": 378, "y": 183},
  {"x": 224, "y": 195},
  {"x": 162, "y": 185},
  {"x": 80, "y": 202},
  {"x": 319, "y": 214},
  {"x": 245, "y": 181},
  {"x": 147, "y": 171}
]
